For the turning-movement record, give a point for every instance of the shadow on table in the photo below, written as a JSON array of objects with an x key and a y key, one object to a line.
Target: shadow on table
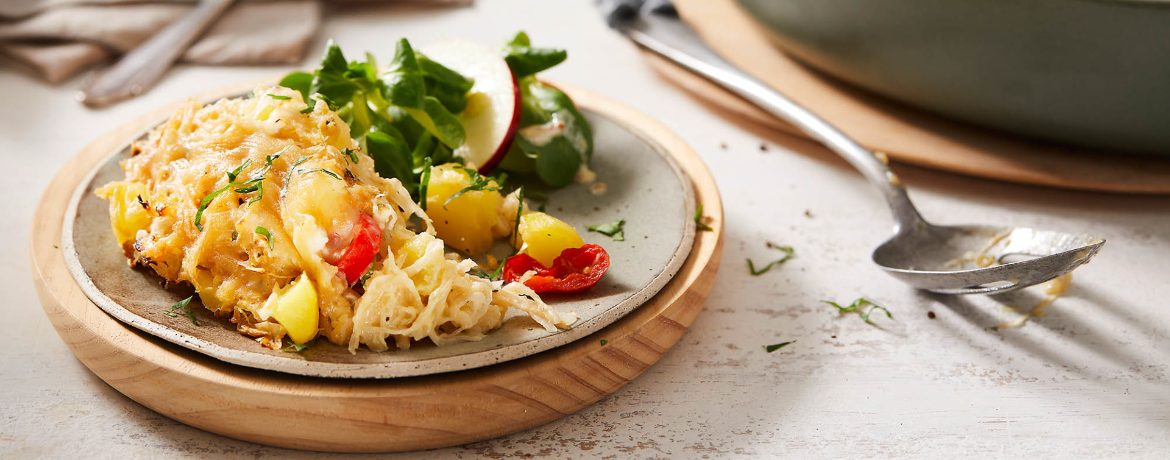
[{"x": 1073, "y": 332}]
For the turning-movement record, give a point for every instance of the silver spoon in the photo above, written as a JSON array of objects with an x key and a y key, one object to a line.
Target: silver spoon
[
  {"x": 142, "y": 66},
  {"x": 966, "y": 259}
]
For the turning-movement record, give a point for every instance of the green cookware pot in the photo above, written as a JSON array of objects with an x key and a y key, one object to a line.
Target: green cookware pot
[{"x": 1093, "y": 73}]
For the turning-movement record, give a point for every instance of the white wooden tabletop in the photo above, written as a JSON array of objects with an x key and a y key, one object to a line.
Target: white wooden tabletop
[{"x": 1089, "y": 379}]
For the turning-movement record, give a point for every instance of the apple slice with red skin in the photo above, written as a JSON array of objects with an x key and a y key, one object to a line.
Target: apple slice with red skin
[{"x": 492, "y": 116}]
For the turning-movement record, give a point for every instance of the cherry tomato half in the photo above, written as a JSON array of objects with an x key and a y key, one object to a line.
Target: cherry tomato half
[
  {"x": 360, "y": 253},
  {"x": 576, "y": 269}
]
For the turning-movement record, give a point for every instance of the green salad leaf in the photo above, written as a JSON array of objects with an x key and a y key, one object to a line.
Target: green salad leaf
[
  {"x": 524, "y": 60},
  {"x": 300, "y": 81},
  {"x": 392, "y": 158},
  {"x": 444, "y": 84},
  {"x": 559, "y": 140},
  {"x": 406, "y": 118}
]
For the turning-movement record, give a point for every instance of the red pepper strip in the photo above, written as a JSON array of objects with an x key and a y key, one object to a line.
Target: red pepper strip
[
  {"x": 360, "y": 253},
  {"x": 576, "y": 269}
]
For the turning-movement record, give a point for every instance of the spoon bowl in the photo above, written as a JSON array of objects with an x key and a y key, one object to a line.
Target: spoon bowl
[{"x": 980, "y": 259}]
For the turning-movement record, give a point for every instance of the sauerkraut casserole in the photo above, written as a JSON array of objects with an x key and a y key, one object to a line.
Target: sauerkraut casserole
[{"x": 268, "y": 208}]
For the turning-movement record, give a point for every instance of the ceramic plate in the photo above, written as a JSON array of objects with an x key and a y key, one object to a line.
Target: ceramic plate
[{"x": 645, "y": 187}]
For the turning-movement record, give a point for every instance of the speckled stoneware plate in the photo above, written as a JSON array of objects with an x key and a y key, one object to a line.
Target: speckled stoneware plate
[{"x": 645, "y": 187}]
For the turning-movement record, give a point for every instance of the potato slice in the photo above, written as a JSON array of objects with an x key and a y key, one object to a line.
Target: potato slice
[{"x": 544, "y": 237}]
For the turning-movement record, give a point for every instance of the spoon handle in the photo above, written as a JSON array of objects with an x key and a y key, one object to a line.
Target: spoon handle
[
  {"x": 141, "y": 67},
  {"x": 671, "y": 38}
]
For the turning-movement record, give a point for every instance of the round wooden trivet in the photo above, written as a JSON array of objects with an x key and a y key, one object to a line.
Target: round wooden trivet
[
  {"x": 371, "y": 415},
  {"x": 905, "y": 134}
]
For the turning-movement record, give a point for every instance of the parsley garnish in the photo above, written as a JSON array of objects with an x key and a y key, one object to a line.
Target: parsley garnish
[
  {"x": 516, "y": 225},
  {"x": 350, "y": 154},
  {"x": 207, "y": 200},
  {"x": 302, "y": 160},
  {"x": 366, "y": 276},
  {"x": 269, "y": 158},
  {"x": 856, "y": 307},
  {"x": 423, "y": 183},
  {"x": 278, "y": 97},
  {"x": 297, "y": 347},
  {"x": 774, "y": 347},
  {"x": 182, "y": 305},
  {"x": 231, "y": 175},
  {"x": 478, "y": 183},
  {"x": 256, "y": 184},
  {"x": 603, "y": 342},
  {"x": 515, "y": 234},
  {"x": 613, "y": 229},
  {"x": 268, "y": 236},
  {"x": 699, "y": 221},
  {"x": 326, "y": 171},
  {"x": 787, "y": 250}
]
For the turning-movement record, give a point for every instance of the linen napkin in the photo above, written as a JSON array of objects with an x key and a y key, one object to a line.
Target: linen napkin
[{"x": 56, "y": 39}]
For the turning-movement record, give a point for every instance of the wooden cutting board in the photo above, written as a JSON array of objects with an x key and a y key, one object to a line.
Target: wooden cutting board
[
  {"x": 907, "y": 135},
  {"x": 371, "y": 415}
]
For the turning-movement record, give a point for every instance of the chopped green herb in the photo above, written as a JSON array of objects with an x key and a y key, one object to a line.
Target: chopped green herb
[
  {"x": 279, "y": 97},
  {"x": 207, "y": 201},
  {"x": 326, "y": 171},
  {"x": 308, "y": 110},
  {"x": 774, "y": 347},
  {"x": 249, "y": 186},
  {"x": 366, "y": 276},
  {"x": 478, "y": 183},
  {"x": 613, "y": 229},
  {"x": 268, "y": 236},
  {"x": 424, "y": 182},
  {"x": 231, "y": 175},
  {"x": 699, "y": 220},
  {"x": 183, "y": 305},
  {"x": 516, "y": 225},
  {"x": 515, "y": 234},
  {"x": 787, "y": 250},
  {"x": 351, "y": 155},
  {"x": 254, "y": 185},
  {"x": 302, "y": 160},
  {"x": 603, "y": 342},
  {"x": 297, "y": 347},
  {"x": 857, "y": 307}
]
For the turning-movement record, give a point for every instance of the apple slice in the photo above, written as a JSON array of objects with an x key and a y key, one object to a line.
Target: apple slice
[{"x": 492, "y": 116}]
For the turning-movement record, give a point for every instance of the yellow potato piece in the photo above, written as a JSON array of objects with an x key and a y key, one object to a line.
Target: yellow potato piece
[
  {"x": 466, "y": 222},
  {"x": 128, "y": 215},
  {"x": 545, "y": 237},
  {"x": 428, "y": 278},
  {"x": 296, "y": 309}
]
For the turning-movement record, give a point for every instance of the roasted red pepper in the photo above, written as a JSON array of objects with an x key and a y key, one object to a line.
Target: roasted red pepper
[
  {"x": 360, "y": 253},
  {"x": 576, "y": 269}
]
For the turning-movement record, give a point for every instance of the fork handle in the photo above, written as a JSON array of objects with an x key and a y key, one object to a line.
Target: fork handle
[
  {"x": 140, "y": 68},
  {"x": 686, "y": 49}
]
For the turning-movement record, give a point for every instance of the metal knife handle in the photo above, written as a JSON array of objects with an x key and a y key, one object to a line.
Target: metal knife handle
[
  {"x": 140, "y": 68},
  {"x": 669, "y": 37}
]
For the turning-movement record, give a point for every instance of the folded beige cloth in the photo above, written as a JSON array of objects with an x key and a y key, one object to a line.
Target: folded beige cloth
[{"x": 56, "y": 39}]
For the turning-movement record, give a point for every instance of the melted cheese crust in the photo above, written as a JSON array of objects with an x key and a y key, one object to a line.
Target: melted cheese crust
[{"x": 295, "y": 179}]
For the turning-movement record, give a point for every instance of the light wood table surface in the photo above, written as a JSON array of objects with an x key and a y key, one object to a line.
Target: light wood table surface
[{"x": 1089, "y": 379}]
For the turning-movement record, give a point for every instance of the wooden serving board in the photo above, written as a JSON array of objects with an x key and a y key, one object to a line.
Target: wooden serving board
[
  {"x": 371, "y": 415},
  {"x": 906, "y": 134}
]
